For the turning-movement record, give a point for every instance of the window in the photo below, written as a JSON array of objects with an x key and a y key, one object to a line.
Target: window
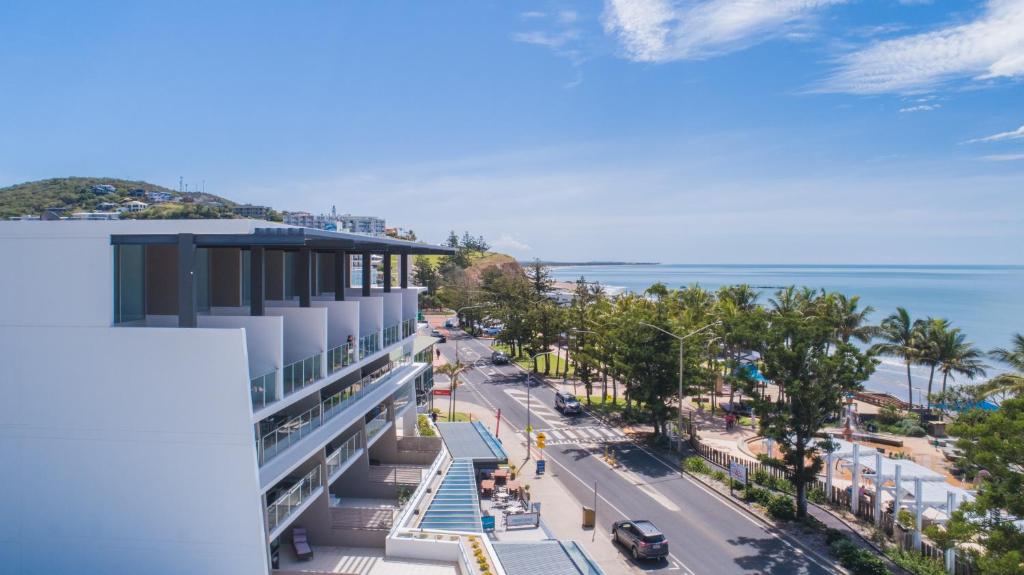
[
  {"x": 129, "y": 283},
  {"x": 246, "y": 277}
]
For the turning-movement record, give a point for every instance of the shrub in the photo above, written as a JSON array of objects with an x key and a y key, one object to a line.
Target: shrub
[
  {"x": 718, "y": 475},
  {"x": 423, "y": 426},
  {"x": 782, "y": 484},
  {"x": 915, "y": 431},
  {"x": 695, "y": 464},
  {"x": 905, "y": 519},
  {"x": 915, "y": 562},
  {"x": 758, "y": 495},
  {"x": 843, "y": 549},
  {"x": 858, "y": 561},
  {"x": 817, "y": 495},
  {"x": 761, "y": 477},
  {"x": 781, "y": 507},
  {"x": 832, "y": 535}
]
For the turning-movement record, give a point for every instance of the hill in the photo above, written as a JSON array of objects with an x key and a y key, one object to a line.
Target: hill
[{"x": 78, "y": 195}]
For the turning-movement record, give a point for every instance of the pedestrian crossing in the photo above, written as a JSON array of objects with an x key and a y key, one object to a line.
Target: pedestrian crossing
[
  {"x": 545, "y": 412},
  {"x": 582, "y": 435}
]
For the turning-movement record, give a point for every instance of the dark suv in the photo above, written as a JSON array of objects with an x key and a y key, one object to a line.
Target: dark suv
[
  {"x": 567, "y": 403},
  {"x": 499, "y": 358},
  {"x": 642, "y": 538}
]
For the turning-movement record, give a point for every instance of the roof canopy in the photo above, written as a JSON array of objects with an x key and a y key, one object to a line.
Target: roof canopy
[
  {"x": 286, "y": 237},
  {"x": 472, "y": 441}
]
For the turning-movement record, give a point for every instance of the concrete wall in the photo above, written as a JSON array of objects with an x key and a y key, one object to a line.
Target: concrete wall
[
  {"x": 410, "y": 302},
  {"x": 392, "y": 307},
  {"x": 264, "y": 338},
  {"x": 371, "y": 312},
  {"x": 128, "y": 450},
  {"x": 342, "y": 320},
  {"x": 305, "y": 331},
  {"x": 225, "y": 277}
]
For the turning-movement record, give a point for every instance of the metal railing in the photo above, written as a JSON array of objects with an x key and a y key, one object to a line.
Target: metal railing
[
  {"x": 339, "y": 357},
  {"x": 375, "y": 425},
  {"x": 263, "y": 390},
  {"x": 391, "y": 334},
  {"x": 408, "y": 327},
  {"x": 302, "y": 373},
  {"x": 369, "y": 344},
  {"x": 285, "y": 505},
  {"x": 341, "y": 455},
  {"x": 291, "y": 431}
]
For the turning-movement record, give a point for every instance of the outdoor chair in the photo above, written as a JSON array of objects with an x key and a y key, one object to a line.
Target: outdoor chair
[{"x": 302, "y": 549}]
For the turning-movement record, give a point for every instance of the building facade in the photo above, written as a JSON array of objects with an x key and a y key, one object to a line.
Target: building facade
[
  {"x": 251, "y": 211},
  {"x": 184, "y": 393}
]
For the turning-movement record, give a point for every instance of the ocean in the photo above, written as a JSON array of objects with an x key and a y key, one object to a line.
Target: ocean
[{"x": 985, "y": 302}]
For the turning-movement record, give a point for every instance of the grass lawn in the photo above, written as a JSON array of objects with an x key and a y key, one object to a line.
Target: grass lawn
[
  {"x": 459, "y": 417},
  {"x": 557, "y": 365}
]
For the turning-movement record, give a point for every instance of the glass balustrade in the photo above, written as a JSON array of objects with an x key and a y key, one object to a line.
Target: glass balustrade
[
  {"x": 301, "y": 373},
  {"x": 408, "y": 328},
  {"x": 369, "y": 345},
  {"x": 391, "y": 334},
  {"x": 339, "y": 357},
  {"x": 263, "y": 390},
  {"x": 375, "y": 425},
  {"x": 283, "y": 507},
  {"x": 341, "y": 455}
]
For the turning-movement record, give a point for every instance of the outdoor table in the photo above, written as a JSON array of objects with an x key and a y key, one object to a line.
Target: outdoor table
[
  {"x": 500, "y": 475},
  {"x": 487, "y": 486},
  {"x": 513, "y": 486}
]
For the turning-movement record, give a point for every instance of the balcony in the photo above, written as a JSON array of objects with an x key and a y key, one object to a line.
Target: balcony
[
  {"x": 302, "y": 373},
  {"x": 408, "y": 327},
  {"x": 340, "y": 356},
  {"x": 298, "y": 427},
  {"x": 285, "y": 506},
  {"x": 263, "y": 390},
  {"x": 369, "y": 345},
  {"x": 338, "y": 460},
  {"x": 375, "y": 426},
  {"x": 392, "y": 334}
]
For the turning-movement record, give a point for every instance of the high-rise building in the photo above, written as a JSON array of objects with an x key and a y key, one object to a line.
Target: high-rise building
[{"x": 183, "y": 395}]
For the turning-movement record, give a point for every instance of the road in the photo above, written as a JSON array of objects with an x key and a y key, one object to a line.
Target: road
[{"x": 707, "y": 534}]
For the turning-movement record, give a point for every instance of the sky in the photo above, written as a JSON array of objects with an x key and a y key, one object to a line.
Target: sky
[{"x": 692, "y": 131}]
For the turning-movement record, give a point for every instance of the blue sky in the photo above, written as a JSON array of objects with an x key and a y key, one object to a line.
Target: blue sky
[{"x": 744, "y": 131}]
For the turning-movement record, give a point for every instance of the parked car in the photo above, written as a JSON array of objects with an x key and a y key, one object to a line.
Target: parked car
[
  {"x": 567, "y": 403},
  {"x": 499, "y": 358},
  {"x": 450, "y": 322},
  {"x": 440, "y": 336},
  {"x": 641, "y": 538},
  {"x": 492, "y": 330}
]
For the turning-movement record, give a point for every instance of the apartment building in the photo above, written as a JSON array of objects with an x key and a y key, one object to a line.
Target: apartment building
[{"x": 181, "y": 395}]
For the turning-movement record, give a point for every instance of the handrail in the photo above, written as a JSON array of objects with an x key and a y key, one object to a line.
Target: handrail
[
  {"x": 408, "y": 327},
  {"x": 340, "y": 356},
  {"x": 369, "y": 344},
  {"x": 263, "y": 390},
  {"x": 342, "y": 454},
  {"x": 375, "y": 425},
  {"x": 301, "y": 373},
  {"x": 286, "y": 504},
  {"x": 417, "y": 495}
]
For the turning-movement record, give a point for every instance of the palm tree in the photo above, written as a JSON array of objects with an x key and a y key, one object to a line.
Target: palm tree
[
  {"x": 957, "y": 355},
  {"x": 901, "y": 338},
  {"x": 1011, "y": 383},
  {"x": 933, "y": 332},
  {"x": 850, "y": 322},
  {"x": 452, "y": 370}
]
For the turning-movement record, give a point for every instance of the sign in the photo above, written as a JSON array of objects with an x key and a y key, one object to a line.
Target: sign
[
  {"x": 738, "y": 472},
  {"x": 541, "y": 438},
  {"x": 522, "y": 520},
  {"x": 541, "y": 464},
  {"x": 487, "y": 522},
  {"x": 439, "y": 391}
]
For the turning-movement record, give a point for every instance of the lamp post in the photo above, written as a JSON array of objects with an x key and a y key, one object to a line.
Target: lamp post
[
  {"x": 681, "y": 339},
  {"x": 529, "y": 426}
]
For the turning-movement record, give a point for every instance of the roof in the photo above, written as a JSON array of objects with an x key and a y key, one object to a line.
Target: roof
[
  {"x": 289, "y": 237},
  {"x": 545, "y": 558},
  {"x": 422, "y": 342},
  {"x": 455, "y": 506},
  {"x": 472, "y": 441}
]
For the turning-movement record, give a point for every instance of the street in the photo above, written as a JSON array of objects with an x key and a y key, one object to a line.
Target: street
[{"x": 706, "y": 533}]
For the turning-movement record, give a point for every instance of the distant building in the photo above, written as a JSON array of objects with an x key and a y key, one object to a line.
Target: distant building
[
  {"x": 94, "y": 216},
  {"x": 137, "y": 193},
  {"x": 252, "y": 212},
  {"x": 134, "y": 206},
  {"x": 107, "y": 206},
  {"x": 25, "y": 218},
  {"x": 304, "y": 219},
  {"x": 369, "y": 225},
  {"x": 103, "y": 189},
  {"x": 159, "y": 197},
  {"x": 56, "y": 213}
]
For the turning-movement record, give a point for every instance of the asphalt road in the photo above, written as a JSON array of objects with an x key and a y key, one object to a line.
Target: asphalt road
[{"x": 707, "y": 534}]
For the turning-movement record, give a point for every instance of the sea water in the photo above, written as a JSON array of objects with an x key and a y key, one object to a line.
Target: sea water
[{"x": 983, "y": 301}]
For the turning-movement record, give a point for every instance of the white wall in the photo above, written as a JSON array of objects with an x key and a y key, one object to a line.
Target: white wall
[
  {"x": 305, "y": 331},
  {"x": 371, "y": 313},
  {"x": 410, "y": 302},
  {"x": 128, "y": 450},
  {"x": 342, "y": 320},
  {"x": 392, "y": 308},
  {"x": 264, "y": 338}
]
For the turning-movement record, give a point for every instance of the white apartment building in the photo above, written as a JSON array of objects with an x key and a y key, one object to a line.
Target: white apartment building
[{"x": 181, "y": 395}]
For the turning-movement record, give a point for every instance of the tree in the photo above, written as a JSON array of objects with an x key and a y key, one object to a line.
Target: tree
[
  {"x": 933, "y": 333},
  {"x": 1011, "y": 383},
  {"x": 796, "y": 354},
  {"x": 901, "y": 338},
  {"x": 956, "y": 355},
  {"x": 993, "y": 441},
  {"x": 847, "y": 320},
  {"x": 425, "y": 274},
  {"x": 452, "y": 370}
]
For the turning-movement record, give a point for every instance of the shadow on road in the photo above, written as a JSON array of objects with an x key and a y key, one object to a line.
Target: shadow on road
[{"x": 770, "y": 556}]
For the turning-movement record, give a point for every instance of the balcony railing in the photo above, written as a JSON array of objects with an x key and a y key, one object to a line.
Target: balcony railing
[
  {"x": 340, "y": 356},
  {"x": 302, "y": 373},
  {"x": 368, "y": 345},
  {"x": 391, "y": 334},
  {"x": 291, "y": 431},
  {"x": 263, "y": 390},
  {"x": 341, "y": 455},
  {"x": 408, "y": 327},
  {"x": 374, "y": 426},
  {"x": 285, "y": 505}
]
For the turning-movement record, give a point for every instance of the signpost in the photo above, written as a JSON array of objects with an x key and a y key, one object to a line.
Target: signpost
[
  {"x": 541, "y": 464},
  {"x": 531, "y": 519},
  {"x": 440, "y": 391},
  {"x": 737, "y": 472},
  {"x": 487, "y": 522}
]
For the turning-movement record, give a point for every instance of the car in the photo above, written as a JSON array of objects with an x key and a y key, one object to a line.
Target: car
[
  {"x": 499, "y": 358},
  {"x": 492, "y": 330},
  {"x": 440, "y": 336},
  {"x": 567, "y": 403},
  {"x": 450, "y": 322},
  {"x": 641, "y": 538}
]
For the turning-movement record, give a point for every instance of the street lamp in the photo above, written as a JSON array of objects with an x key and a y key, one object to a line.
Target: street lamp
[
  {"x": 529, "y": 426},
  {"x": 681, "y": 338}
]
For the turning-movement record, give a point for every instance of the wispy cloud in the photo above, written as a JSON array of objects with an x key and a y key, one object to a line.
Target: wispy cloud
[
  {"x": 662, "y": 31},
  {"x": 532, "y": 14},
  {"x": 559, "y": 33},
  {"x": 508, "y": 242},
  {"x": 920, "y": 108},
  {"x": 1003, "y": 157},
  {"x": 549, "y": 39},
  {"x": 1001, "y": 136},
  {"x": 990, "y": 46}
]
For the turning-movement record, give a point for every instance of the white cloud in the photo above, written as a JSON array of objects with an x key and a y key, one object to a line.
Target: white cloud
[
  {"x": 568, "y": 16},
  {"x": 532, "y": 14},
  {"x": 1011, "y": 135},
  {"x": 662, "y": 31},
  {"x": 920, "y": 108},
  {"x": 1003, "y": 157},
  {"x": 508, "y": 242},
  {"x": 990, "y": 46},
  {"x": 549, "y": 39}
]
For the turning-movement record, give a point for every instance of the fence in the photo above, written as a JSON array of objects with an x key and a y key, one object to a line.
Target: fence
[{"x": 838, "y": 497}]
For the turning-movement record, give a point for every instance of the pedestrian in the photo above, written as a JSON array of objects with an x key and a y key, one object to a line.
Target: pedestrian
[
  {"x": 433, "y": 416},
  {"x": 438, "y": 352}
]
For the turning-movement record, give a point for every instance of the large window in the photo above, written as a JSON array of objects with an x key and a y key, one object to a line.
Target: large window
[{"x": 129, "y": 283}]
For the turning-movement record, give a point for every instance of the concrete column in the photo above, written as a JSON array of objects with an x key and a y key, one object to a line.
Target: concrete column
[
  {"x": 302, "y": 283},
  {"x": 878, "y": 488},
  {"x": 186, "y": 281},
  {"x": 828, "y": 475},
  {"x": 403, "y": 270},
  {"x": 366, "y": 274},
  {"x": 387, "y": 272},
  {"x": 897, "y": 491},
  {"x": 950, "y": 554},
  {"x": 340, "y": 275},
  {"x": 257, "y": 292},
  {"x": 918, "y": 512},
  {"x": 855, "y": 488}
]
